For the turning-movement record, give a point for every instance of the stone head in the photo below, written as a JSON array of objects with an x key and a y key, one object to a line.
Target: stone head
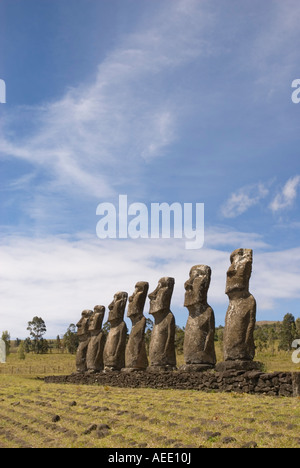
[
  {"x": 83, "y": 323},
  {"x": 138, "y": 299},
  {"x": 117, "y": 307},
  {"x": 97, "y": 318},
  {"x": 239, "y": 272},
  {"x": 160, "y": 299},
  {"x": 197, "y": 285}
]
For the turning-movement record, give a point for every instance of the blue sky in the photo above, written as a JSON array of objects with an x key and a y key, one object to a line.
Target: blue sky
[{"x": 164, "y": 101}]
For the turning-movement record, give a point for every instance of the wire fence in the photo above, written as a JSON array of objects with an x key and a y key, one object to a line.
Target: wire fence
[{"x": 8, "y": 369}]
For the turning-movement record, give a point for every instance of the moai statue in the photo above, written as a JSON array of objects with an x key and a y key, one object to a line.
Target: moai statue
[
  {"x": 94, "y": 357},
  {"x": 135, "y": 354},
  {"x": 83, "y": 336},
  {"x": 114, "y": 350},
  {"x": 162, "y": 345},
  {"x": 239, "y": 347},
  {"x": 199, "y": 346}
]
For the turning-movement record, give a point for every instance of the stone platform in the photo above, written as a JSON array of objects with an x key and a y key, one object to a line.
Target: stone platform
[
  {"x": 254, "y": 382},
  {"x": 239, "y": 366}
]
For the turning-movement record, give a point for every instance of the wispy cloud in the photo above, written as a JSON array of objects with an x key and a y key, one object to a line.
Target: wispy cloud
[
  {"x": 224, "y": 237},
  {"x": 89, "y": 138},
  {"x": 287, "y": 196},
  {"x": 246, "y": 197}
]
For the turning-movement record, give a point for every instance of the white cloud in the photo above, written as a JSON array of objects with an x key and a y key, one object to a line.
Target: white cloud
[
  {"x": 223, "y": 237},
  {"x": 57, "y": 277},
  {"x": 240, "y": 201},
  {"x": 275, "y": 277},
  {"x": 287, "y": 196},
  {"x": 89, "y": 138}
]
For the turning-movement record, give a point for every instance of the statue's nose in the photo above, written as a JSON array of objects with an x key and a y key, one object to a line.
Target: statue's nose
[{"x": 188, "y": 285}]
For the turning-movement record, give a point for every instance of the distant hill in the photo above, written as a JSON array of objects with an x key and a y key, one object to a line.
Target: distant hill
[{"x": 261, "y": 323}]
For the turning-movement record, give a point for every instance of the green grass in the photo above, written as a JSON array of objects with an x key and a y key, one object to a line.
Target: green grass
[
  {"x": 141, "y": 417},
  {"x": 39, "y": 364},
  {"x": 58, "y": 363},
  {"x": 138, "y": 417},
  {"x": 277, "y": 361}
]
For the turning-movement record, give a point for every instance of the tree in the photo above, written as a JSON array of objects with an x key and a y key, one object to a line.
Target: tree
[
  {"x": 6, "y": 339},
  {"x": 70, "y": 339},
  {"x": 106, "y": 327},
  {"x": 179, "y": 339},
  {"x": 287, "y": 333},
  {"x": 272, "y": 339},
  {"x": 27, "y": 345},
  {"x": 21, "y": 351},
  {"x": 43, "y": 346},
  {"x": 37, "y": 329},
  {"x": 219, "y": 334},
  {"x": 17, "y": 342},
  {"x": 148, "y": 330},
  {"x": 298, "y": 327},
  {"x": 58, "y": 344},
  {"x": 261, "y": 336}
]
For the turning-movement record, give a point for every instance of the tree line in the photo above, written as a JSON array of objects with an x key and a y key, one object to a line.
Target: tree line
[{"x": 268, "y": 336}]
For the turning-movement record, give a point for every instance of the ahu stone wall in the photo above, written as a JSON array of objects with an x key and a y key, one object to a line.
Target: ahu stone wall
[{"x": 274, "y": 384}]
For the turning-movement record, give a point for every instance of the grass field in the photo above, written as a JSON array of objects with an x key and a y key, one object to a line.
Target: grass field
[
  {"x": 42, "y": 364},
  {"x": 35, "y": 414},
  {"x": 60, "y": 363},
  {"x": 92, "y": 416}
]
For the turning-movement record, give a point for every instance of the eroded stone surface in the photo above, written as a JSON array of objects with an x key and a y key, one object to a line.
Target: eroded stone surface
[
  {"x": 114, "y": 350},
  {"x": 199, "y": 347},
  {"x": 162, "y": 345},
  {"x": 83, "y": 336},
  {"x": 135, "y": 354},
  {"x": 94, "y": 357},
  {"x": 254, "y": 382},
  {"x": 241, "y": 313}
]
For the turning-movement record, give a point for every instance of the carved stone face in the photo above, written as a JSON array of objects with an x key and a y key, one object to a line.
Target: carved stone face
[
  {"x": 239, "y": 272},
  {"x": 197, "y": 285},
  {"x": 83, "y": 323},
  {"x": 138, "y": 299},
  {"x": 160, "y": 299},
  {"x": 97, "y": 318},
  {"x": 117, "y": 307}
]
